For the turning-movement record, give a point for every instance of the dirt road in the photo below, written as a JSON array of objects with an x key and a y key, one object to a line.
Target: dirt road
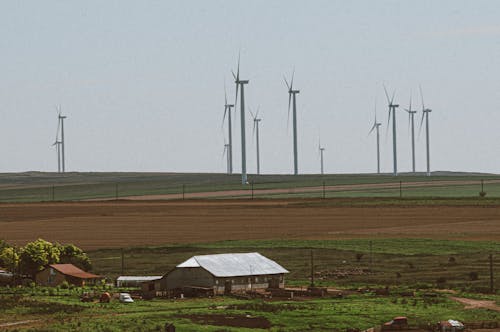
[{"x": 477, "y": 304}]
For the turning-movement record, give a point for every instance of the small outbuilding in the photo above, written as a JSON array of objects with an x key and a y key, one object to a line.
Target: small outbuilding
[
  {"x": 134, "y": 281},
  {"x": 56, "y": 274},
  {"x": 224, "y": 274}
]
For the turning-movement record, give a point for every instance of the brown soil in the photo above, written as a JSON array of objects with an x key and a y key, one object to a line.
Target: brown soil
[
  {"x": 93, "y": 225},
  {"x": 230, "y": 320}
]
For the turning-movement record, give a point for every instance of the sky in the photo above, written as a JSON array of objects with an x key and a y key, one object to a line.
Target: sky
[{"x": 142, "y": 83}]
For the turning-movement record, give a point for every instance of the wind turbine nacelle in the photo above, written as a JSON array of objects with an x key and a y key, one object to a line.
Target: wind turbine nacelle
[
  {"x": 294, "y": 91},
  {"x": 243, "y": 81}
]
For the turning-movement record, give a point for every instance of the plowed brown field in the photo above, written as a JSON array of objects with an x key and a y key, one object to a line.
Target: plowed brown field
[{"x": 93, "y": 225}]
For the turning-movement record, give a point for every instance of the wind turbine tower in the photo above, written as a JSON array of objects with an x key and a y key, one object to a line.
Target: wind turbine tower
[
  {"x": 226, "y": 153},
  {"x": 376, "y": 126},
  {"x": 292, "y": 94},
  {"x": 228, "y": 111},
  {"x": 57, "y": 144},
  {"x": 411, "y": 115},
  {"x": 321, "y": 149},
  {"x": 62, "y": 142},
  {"x": 392, "y": 110},
  {"x": 425, "y": 113},
  {"x": 256, "y": 121},
  {"x": 240, "y": 84}
]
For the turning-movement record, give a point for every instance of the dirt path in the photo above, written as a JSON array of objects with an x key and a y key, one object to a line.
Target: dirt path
[
  {"x": 22, "y": 322},
  {"x": 476, "y": 304}
]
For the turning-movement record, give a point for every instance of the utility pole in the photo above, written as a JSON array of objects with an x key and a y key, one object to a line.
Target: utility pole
[
  {"x": 312, "y": 269},
  {"x": 492, "y": 286},
  {"x": 123, "y": 262},
  {"x": 371, "y": 255}
]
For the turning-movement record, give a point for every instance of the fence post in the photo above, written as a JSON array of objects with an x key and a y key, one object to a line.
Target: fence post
[
  {"x": 53, "y": 193},
  {"x": 371, "y": 256},
  {"x": 482, "y": 185},
  {"x": 324, "y": 190},
  {"x": 252, "y": 190},
  {"x": 183, "y": 191},
  {"x": 116, "y": 191},
  {"x": 123, "y": 262},
  {"x": 400, "y": 189},
  {"x": 492, "y": 286}
]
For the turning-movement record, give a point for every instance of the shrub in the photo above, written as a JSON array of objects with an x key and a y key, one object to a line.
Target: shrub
[
  {"x": 452, "y": 260},
  {"x": 359, "y": 256},
  {"x": 64, "y": 285}
]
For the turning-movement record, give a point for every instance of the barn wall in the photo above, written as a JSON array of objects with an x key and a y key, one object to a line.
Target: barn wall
[
  {"x": 44, "y": 278},
  {"x": 181, "y": 277}
]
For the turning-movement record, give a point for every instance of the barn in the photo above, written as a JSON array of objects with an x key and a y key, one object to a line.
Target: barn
[
  {"x": 224, "y": 273},
  {"x": 56, "y": 274}
]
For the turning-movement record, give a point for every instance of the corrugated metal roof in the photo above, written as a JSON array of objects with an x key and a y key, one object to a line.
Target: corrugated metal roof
[
  {"x": 71, "y": 270},
  {"x": 138, "y": 278},
  {"x": 234, "y": 265}
]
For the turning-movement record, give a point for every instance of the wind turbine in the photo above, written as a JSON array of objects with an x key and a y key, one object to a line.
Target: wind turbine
[
  {"x": 411, "y": 115},
  {"x": 321, "y": 149},
  {"x": 63, "y": 142},
  {"x": 425, "y": 113},
  {"x": 376, "y": 126},
  {"x": 241, "y": 84},
  {"x": 292, "y": 96},
  {"x": 256, "y": 121},
  {"x": 227, "y": 111},
  {"x": 392, "y": 110},
  {"x": 57, "y": 144}
]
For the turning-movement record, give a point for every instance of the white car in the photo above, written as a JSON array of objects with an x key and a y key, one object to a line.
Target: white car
[{"x": 126, "y": 298}]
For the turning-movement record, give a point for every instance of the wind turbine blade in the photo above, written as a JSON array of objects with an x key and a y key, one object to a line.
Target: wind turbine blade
[
  {"x": 372, "y": 129},
  {"x": 421, "y": 123},
  {"x": 236, "y": 99},
  {"x": 258, "y": 110},
  {"x": 421, "y": 96},
  {"x": 286, "y": 82},
  {"x": 225, "y": 92},
  {"x": 224, "y": 117},
  {"x": 387, "y": 95},
  {"x": 291, "y": 82},
  {"x": 393, "y": 94},
  {"x": 288, "y": 116}
]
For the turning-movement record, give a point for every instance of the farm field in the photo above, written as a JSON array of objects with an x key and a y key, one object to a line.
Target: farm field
[
  {"x": 94, "y": 225},
  {"x": 36, "y": 186}
]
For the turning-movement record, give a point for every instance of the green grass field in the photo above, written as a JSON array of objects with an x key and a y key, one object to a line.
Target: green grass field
[{"x": 36, "y": 186}]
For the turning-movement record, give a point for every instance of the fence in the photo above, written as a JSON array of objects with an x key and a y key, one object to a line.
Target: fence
[{"x": 438, "y": 188}]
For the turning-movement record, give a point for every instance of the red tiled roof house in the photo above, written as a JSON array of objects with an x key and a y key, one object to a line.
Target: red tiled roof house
[{"x": 55, "y": 274}]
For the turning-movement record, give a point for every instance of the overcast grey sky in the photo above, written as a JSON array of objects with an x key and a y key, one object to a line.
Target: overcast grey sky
[{"x": 142, "y": 82}]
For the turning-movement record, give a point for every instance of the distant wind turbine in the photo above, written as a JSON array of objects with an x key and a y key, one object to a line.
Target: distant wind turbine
[
  {"x": 376, "y": 126},
  {"x": 228, "y": 111},
  {"x": 57, "y": 144},
  {"x": 256, "y": 121},
  {"x": 425, "y": 113},
  {"x": 392, "y": 110},
  {"x": 292, "y": 96},
  {"x": 62, "y": 142},
  {"x": 411, "y": 115},
  {"x": 241, "y": 84},
  {"x": 321, "y": 149}
]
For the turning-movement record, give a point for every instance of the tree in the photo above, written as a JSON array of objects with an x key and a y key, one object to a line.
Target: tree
[
  {"x": 71, "y": 254},
  {"x": 35, "y": 255},
  {"x": 9, "y": 258}
]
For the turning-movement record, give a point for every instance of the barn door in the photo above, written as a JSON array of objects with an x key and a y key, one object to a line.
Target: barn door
[{"x": 227, "y": 287}]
